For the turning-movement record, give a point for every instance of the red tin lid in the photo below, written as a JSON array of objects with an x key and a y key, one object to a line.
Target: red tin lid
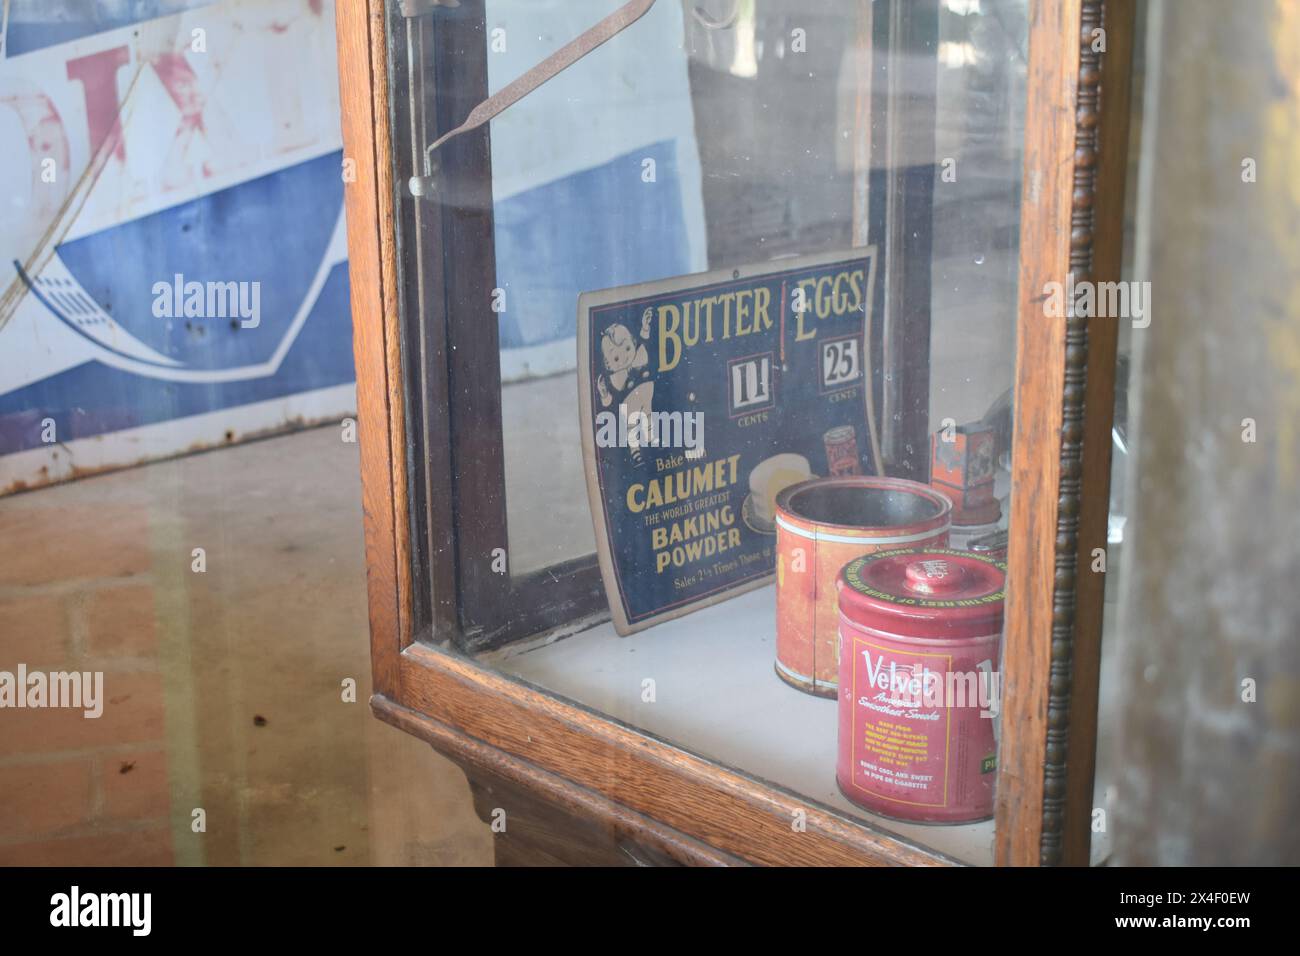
[{"x": 929, "y": 593}]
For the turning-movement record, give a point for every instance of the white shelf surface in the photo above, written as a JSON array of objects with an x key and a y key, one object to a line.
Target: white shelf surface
[{"x": 716, "y": 694}]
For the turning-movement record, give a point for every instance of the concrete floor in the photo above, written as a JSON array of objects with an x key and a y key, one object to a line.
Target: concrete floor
[{"x": 224, "y": 688}]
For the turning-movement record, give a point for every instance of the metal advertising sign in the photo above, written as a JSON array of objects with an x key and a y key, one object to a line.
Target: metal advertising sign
[
  {"x": 701, "y": 398},
  {"x": 173, "y": 259}
]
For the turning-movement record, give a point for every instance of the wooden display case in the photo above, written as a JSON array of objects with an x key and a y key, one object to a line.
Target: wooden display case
[{"x": 501, "y": 671}]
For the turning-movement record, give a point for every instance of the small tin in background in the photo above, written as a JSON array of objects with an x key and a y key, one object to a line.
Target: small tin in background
[
  {"x": 842, "y": 451},
  {"x": 920, "y": 633},
  {"x": 991, "y": 545},
  {"x": 821, "y": 525},
  {"x": 988, "y": 539},
  {"x": 962, "y": 466}
]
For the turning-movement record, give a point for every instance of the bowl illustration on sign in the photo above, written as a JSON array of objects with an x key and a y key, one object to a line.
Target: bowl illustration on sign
[{"x": 768, "y": 479}]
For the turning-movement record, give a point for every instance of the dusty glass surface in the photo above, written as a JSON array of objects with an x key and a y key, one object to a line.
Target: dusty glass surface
[{"x": 810, "y": 219}]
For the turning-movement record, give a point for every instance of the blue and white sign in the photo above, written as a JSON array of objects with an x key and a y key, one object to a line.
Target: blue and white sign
[{"x": 173, "y": 268}]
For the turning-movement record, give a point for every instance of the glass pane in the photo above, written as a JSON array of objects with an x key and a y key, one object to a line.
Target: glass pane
[
  {"x": 755, "y": 280},
  {"x": 567, "y": 180},
  {"x": 1119, "y": 560}
]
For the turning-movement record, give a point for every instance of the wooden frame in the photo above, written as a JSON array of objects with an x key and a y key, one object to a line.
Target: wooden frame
[
  {"x": 688, "y": 808},
  {"x": 1053, "y": 612}
]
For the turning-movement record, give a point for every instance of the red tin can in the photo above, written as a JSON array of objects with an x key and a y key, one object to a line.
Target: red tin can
[
  {"x": 822, "y": 525},
  {"x": 920, "y": 632}
]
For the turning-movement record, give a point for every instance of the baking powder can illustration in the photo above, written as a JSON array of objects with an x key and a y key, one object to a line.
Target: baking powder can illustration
[
  {"x": 920, "y": 633},
  {"x": 822, "y": 525},
  {"x": 842, "y": 451}
]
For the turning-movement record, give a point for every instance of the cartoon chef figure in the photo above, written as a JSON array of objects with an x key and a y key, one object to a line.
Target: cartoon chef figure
[{"x": 628, "y": 379}]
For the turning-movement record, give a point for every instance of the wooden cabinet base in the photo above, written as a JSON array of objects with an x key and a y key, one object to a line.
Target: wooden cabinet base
[
  {"x": 549, "y": 820},
  {"x": 530, "y": 831}
]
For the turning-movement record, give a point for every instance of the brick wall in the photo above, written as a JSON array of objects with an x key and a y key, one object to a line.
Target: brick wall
[{"x": 74, "y": 790}]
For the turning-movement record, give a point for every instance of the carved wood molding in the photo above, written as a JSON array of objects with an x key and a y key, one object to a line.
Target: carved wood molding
[{"x": 1082, "y": 229}]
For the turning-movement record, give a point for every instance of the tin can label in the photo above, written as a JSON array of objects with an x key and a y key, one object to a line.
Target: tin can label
[{"x": 916, "y": 727}]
